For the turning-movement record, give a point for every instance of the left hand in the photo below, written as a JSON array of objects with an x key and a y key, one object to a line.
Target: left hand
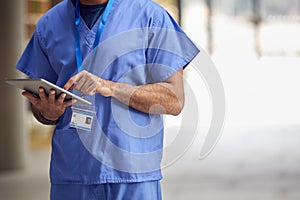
[
  {"x": 89, "y": 84},
  {"x": 48, "y": 106}
]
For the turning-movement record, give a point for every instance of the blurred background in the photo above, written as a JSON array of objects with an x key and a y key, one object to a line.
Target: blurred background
[{"x": 255, "y": 46}]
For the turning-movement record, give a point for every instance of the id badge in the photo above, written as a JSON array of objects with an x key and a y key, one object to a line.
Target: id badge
[{"x": 82, "y": 118}]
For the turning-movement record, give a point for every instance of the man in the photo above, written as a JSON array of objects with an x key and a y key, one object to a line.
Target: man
[{"x": 127, "y": 57}]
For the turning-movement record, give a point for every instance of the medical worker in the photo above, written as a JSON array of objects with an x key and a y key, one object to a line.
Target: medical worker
[{"x": 126, "y": 57}]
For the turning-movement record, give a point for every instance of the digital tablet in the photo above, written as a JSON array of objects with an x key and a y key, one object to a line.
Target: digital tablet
[{"x": 33, "y": 85}]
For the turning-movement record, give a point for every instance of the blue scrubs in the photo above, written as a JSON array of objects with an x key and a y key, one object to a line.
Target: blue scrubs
[
  {"x": 126, "y": 145},
  {"x": 110, "y": 191}
]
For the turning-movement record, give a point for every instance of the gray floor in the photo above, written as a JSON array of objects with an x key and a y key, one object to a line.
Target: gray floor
[
  {"x": 254, "y": 164},
  {"x": 248, "y": 163},
  {"x": 28, "y": 184}
]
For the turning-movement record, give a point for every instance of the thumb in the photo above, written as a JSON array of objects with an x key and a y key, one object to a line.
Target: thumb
[{"x": 31, "y": 97}]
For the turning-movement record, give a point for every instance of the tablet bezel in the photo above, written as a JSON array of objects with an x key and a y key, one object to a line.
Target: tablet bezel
[{"x": 33, "y": 85}]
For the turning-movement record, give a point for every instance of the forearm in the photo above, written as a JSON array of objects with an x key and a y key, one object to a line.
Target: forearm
[
  {"x": 37, "y": 114},
  {"x": 166, "y": 97},
  {"x": 158, "y": 98}
]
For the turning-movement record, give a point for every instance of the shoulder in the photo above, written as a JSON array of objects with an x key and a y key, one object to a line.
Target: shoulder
[
  {"x": 139, "y": 3},
  {"x": 150, "y": 4},
  {"x": 57, "y": 15},
  {"x": 151, "y": 7},
  {"x": 145, "y": 10}
]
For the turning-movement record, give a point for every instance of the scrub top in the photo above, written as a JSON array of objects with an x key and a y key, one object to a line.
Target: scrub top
[{"x": 140, "y": 44}]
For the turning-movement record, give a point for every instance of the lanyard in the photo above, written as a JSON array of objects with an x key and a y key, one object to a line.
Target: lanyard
[{"x": 98, "y": 35}]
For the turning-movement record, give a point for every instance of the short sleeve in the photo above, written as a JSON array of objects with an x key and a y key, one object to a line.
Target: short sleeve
[
  {"x": 34, "y": 61},
  {"x": 169, "y": 48}
]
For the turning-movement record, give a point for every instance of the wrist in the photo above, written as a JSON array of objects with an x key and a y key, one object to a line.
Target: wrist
[
  {"x": 112, "y": 86},
  {"x": 106, "y": 87},
  {"x": 38, "y": 115},
  {"x": 46, "y": 120}
]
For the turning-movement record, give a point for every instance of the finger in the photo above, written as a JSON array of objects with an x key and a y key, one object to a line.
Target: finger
[
  {"x": 91, "y": 84},
  {"x": 80, "y": 84},
  {"x": 91, "y": 89},
  {"x": 42, "y": 94},
  {"x": 61, "y": 98},
  {"x": 51, "y": 97},
  {"x": 69, "y": 102},
  {"x": 30, "y": 93},
  {"x": 72, "y": 81},
  {"x": 86, "y": 85},
  {"x": 31, "y": 97},
  {"x": 71, "y": 88},
  {"x": 70, "y": 84}
]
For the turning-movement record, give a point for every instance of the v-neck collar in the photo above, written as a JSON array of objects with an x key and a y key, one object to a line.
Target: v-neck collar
[{"x": 87, "y": 34}]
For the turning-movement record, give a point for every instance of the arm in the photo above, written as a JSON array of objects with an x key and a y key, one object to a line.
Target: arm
[
  {"x": 47, "y": 109},
  {"x": 159, "y": 98}
]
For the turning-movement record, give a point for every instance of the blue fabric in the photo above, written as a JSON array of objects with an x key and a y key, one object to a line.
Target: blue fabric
[
  {"x": 110, "y": 191},
  {"x": 127, "y": 144}
]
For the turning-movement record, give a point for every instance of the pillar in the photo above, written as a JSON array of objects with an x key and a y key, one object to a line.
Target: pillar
[{"x": 13, "y": 137}]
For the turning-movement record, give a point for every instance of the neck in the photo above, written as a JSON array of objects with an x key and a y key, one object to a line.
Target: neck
[{"x": 93, "y": 2}]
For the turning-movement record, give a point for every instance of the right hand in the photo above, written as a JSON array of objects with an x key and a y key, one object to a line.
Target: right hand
[{"x": 49, "y": 107}]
